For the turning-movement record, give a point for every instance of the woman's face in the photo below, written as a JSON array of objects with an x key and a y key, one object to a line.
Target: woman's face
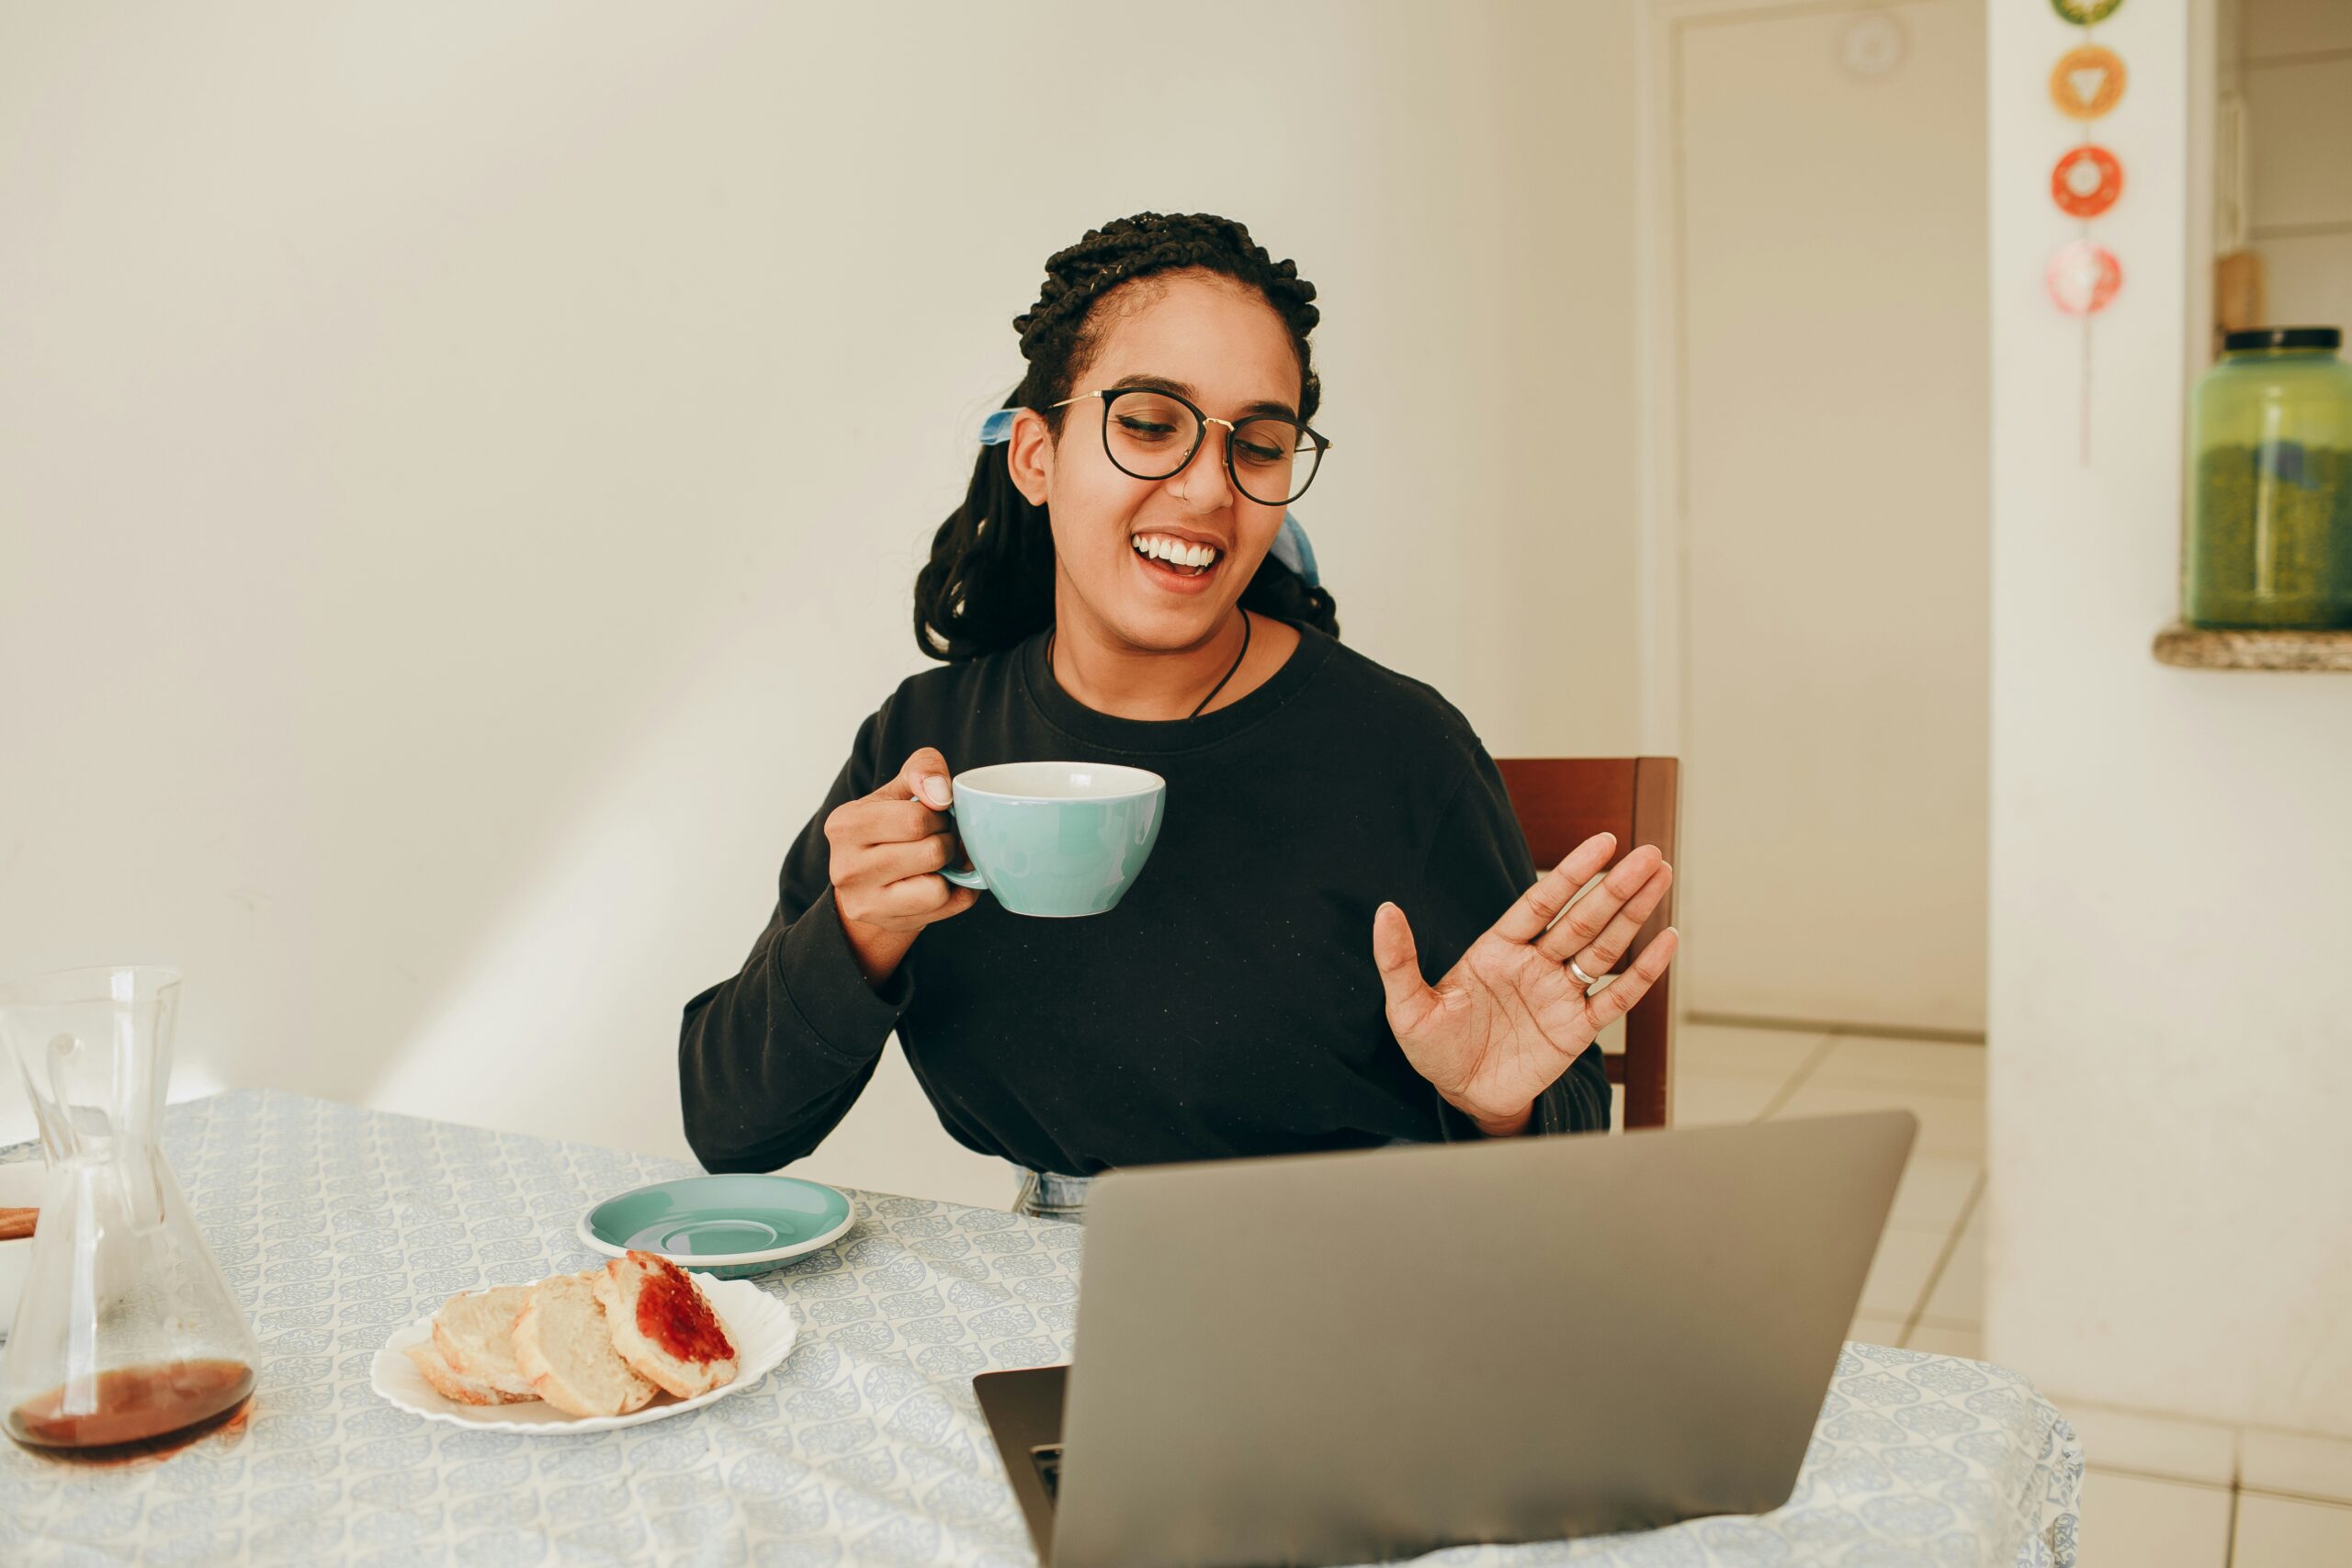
[{"x": 1220, "y": 344}]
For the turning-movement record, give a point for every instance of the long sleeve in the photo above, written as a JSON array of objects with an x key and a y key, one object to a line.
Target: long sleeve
[
  {"x": 1478, "y": 862},
  {"x": 771, "y": 1061}
]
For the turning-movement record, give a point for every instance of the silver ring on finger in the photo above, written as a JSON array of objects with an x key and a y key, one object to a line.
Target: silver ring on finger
[{"x": 1577, "y": 969}]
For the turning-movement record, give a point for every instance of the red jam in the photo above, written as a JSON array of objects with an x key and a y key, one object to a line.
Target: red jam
[{"x": 672, "y": 1313}]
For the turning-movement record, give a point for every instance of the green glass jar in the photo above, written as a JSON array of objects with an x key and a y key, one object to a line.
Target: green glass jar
[{"x": 2271, "y": 483}]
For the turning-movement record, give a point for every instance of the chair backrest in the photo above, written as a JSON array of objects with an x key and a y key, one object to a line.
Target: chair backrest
[{"x": 1560, "y": 802}]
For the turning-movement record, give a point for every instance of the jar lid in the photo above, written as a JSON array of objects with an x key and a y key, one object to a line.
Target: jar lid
[{"x": 2284, "y": 337}]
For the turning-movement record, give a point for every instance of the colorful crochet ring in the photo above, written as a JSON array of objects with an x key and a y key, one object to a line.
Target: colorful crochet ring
[{"x": 2086, "y": 181}]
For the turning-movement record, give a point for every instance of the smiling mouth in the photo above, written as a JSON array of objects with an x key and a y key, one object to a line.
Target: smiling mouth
[{"x": 1176, "y": 555}]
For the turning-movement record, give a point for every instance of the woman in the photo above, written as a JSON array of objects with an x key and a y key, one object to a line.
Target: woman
[{"x": 1110, "y": 591}]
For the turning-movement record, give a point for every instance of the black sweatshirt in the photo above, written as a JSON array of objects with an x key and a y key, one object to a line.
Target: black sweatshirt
[{"x": 1229, "y": 1006}]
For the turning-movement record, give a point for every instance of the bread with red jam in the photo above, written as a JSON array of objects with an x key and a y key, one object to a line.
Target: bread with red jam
[{"x": 663, "y": 1327}]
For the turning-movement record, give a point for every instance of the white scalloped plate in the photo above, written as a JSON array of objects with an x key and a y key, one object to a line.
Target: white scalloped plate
[{"x": 761, "y": 1326}]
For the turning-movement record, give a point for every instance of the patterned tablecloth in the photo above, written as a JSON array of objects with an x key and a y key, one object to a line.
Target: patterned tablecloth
[{"x": 337, "y": 1226}]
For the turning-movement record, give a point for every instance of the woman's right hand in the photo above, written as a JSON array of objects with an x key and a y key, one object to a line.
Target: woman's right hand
[{"x": 888, "y": 850}]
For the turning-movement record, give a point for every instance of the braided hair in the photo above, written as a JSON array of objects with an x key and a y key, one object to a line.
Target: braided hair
[{"x": 990, "y": 583}]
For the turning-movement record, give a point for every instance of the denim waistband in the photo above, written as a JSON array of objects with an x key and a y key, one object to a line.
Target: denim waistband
[{"x": 1048, "y": 1195}]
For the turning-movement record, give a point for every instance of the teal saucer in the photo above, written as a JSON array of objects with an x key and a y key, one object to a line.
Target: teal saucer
[{"x": 727, "y": 1226}]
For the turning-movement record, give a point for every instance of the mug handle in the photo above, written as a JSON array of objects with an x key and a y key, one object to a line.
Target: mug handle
[{"x": 961, "y": 878}]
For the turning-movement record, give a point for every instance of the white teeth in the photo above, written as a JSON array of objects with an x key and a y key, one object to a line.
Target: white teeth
[{"x": 1174, "y": 551}]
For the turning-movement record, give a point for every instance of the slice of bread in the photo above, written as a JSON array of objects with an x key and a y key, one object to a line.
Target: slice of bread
[
  {"x": 563, "y": 1346},
  {"x": 475, "y": 1333},
  {"x": 450, "y": 1383},
  {"x": 664, "y": 1326}
]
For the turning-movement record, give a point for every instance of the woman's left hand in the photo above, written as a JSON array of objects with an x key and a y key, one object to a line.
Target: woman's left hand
[{"x": 1509, "y": 1019}]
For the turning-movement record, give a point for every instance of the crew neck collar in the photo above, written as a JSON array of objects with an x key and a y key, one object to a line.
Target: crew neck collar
[{"x": 1113, "y": 733}]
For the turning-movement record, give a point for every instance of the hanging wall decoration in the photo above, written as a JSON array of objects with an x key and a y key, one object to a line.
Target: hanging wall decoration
[
  {"x": 2083, "y": 276},
  {"x": 2087, "y": 81},
  {"x": 2083, "y": 13},
  {"x": 2086, "y": 181}
]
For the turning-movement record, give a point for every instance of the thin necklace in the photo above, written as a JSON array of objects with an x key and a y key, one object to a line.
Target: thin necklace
[{"x": 1204, "y": 702}]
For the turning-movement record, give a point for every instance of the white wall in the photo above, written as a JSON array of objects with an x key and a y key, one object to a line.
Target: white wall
[
  {"x": 462, "y": 468},
  {"x": 2171, "y": 1060}
]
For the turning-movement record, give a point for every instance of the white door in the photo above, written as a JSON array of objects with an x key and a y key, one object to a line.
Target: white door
[{"x": 1830, "y": 208}]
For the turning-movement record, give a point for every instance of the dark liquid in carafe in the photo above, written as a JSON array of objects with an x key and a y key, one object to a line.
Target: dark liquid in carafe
[{"x": 152, "y": 1408}]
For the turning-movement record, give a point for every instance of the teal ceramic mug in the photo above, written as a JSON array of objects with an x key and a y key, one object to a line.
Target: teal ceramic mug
[{"x": 1056, "y": 838}]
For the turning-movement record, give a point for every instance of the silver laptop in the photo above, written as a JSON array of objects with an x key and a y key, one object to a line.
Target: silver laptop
[{"x": 1351, "y": 1357}]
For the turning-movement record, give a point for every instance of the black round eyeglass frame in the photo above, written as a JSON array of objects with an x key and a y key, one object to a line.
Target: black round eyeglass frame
[{"x": 1202, "y": 419}]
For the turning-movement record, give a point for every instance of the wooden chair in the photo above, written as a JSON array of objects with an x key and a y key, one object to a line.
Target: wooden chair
[{"x": 1560, "y": 802}]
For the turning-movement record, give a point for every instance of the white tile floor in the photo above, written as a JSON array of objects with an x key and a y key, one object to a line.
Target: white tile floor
[{"x": 2162, "y": 1493}]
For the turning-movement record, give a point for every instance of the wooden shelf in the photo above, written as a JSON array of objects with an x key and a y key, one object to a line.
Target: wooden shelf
[{"x": 2195, "y": 648}]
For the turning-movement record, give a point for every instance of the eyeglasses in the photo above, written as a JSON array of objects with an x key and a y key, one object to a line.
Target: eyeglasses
[{"x": 1151, "y": 435}]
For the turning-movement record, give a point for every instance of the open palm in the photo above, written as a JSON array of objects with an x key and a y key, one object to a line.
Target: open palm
[{"x": 1510, "y": 1018}]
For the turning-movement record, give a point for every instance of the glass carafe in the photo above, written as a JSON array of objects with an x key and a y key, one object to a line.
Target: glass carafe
[{"x": 126, "y": 1336}]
